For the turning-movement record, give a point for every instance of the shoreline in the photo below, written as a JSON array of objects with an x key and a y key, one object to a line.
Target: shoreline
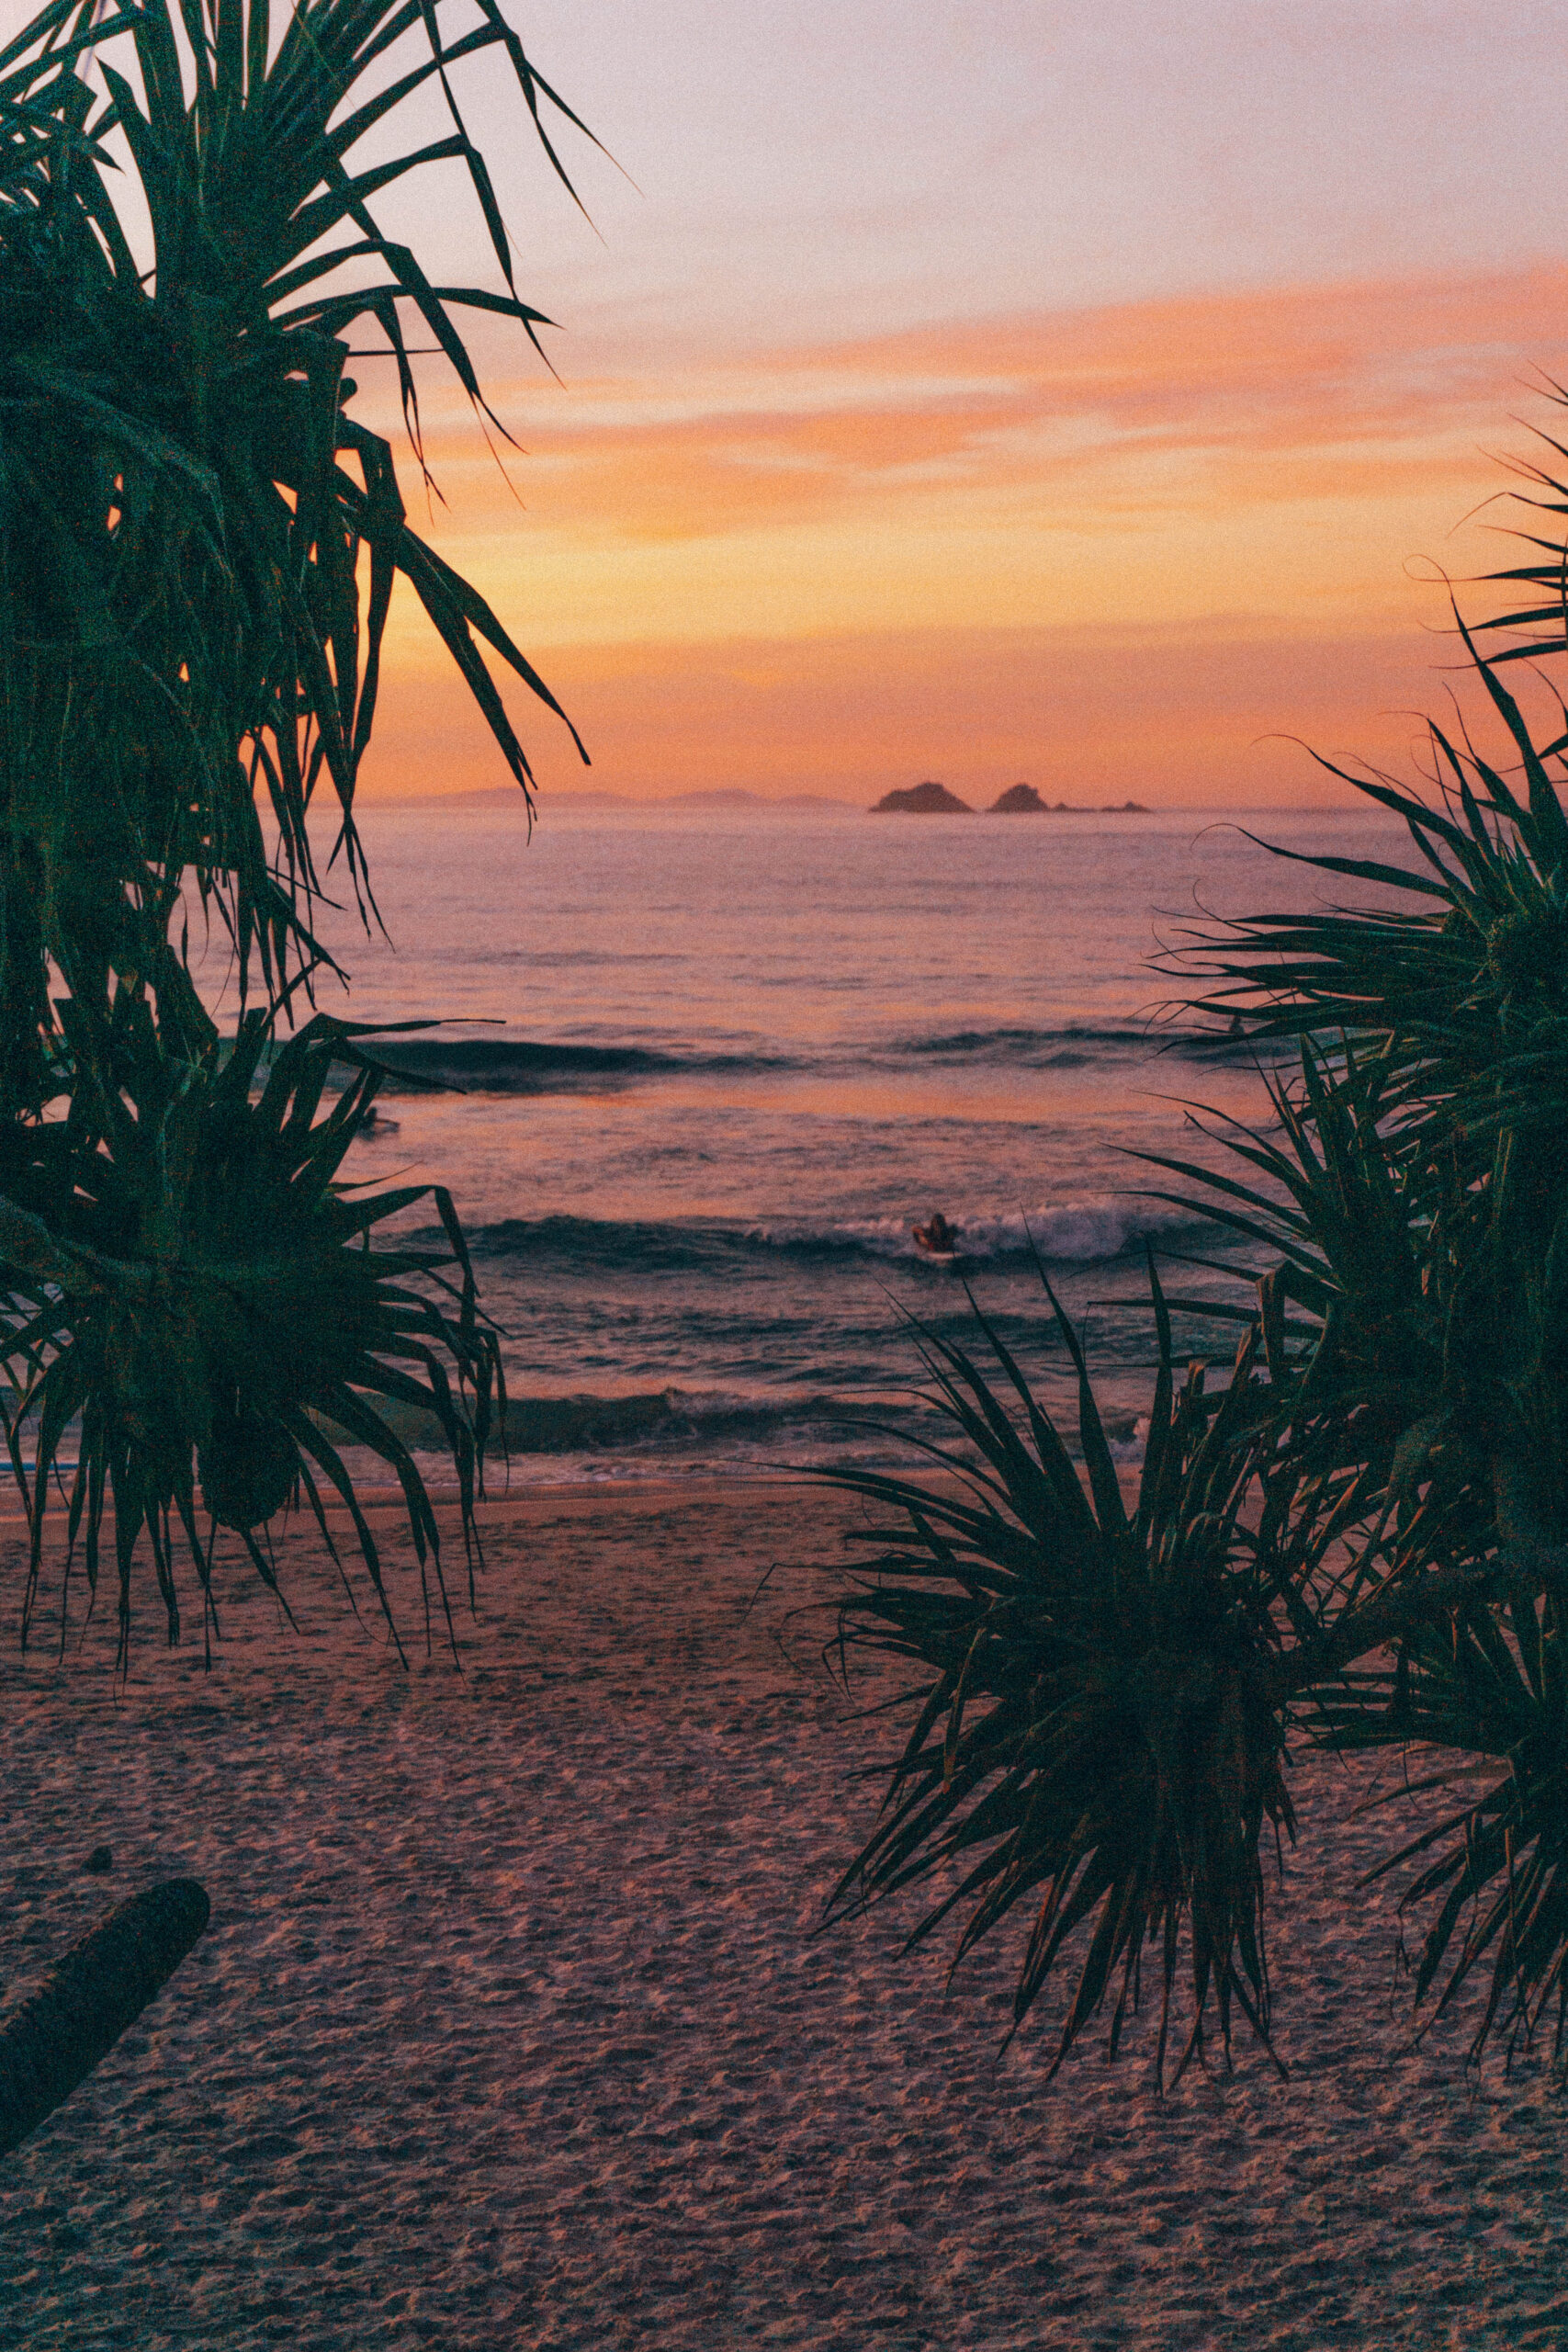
[
  {"x": 445, "y": 1499},
  {"x": 579, "y": 1497},
  {"x": 704, "y": 1486}
]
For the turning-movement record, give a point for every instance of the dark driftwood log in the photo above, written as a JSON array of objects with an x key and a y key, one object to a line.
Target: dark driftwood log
[{"x": 83, "y": 2006}]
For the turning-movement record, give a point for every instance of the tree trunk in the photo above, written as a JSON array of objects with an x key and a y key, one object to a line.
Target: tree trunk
[{"x": 83, "y": 2006}]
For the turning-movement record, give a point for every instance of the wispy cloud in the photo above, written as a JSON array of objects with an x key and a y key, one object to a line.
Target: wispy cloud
[
  {"x": 1256, "y": 394},
  {"x": 1271, "y": 459}
]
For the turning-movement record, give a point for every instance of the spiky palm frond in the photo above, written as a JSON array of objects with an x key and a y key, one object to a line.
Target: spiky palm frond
[
  {"x": 198, "y": 540},
  {"x": 1535, "y": 630},
  {"x": 1414, "y": 1195},
  {"x": 1099, "y": 1727},
  {"x": 1464, "y": 992},
  {"x": 1398, "y": 1480},
  {"x": 1460, "y": 1006},
  {"x": 209, "y": 1306},
  {"x": 1342, "y": 1202},
  {"x": 199, "y": 544},
  {"x": 1389, "y": 1373},
  {"x": 1489, "y": 1682}
]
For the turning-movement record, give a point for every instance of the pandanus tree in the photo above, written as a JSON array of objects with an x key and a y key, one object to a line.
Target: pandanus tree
[
  {"x": 198, "y": 544},
  {"x": 1358, "y": 1540}
]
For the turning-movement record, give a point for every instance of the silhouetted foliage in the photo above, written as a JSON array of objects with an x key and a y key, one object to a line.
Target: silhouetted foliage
[
  {"x": 198, "y": 548},
  {"x": 1362, "y": 1540}
]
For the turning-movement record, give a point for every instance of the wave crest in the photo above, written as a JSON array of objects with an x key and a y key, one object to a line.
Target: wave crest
[
  {"x": 1071, "y": 1232},
  {"x": 523, "y": 1066},
  {"x": 1066, "y": 1232}
]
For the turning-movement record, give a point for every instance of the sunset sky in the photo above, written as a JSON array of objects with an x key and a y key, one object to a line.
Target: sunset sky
[{"x": 993, "y": 391}]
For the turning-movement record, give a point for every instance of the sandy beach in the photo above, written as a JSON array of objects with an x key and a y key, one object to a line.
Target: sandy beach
[{"x": 511, "y": 2028}]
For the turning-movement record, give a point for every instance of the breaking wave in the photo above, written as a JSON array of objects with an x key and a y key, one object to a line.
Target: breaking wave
[{"x": 1071, "y": 1232}]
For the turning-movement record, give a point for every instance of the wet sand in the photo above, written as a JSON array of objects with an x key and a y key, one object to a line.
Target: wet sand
[{"x": 511, "y": 2030}]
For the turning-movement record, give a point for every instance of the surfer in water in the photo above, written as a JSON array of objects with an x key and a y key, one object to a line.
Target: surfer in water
[{"x": 937, "y": 1238}]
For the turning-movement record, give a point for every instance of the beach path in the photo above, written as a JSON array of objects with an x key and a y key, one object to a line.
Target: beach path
[{"x": 511, "y": 2030}]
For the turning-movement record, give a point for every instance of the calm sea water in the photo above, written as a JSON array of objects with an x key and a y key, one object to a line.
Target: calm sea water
[{"x": 716, "y": 1064}]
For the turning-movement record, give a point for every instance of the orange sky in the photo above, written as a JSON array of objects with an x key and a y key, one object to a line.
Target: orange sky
[{"x": 1103, "y": 549}]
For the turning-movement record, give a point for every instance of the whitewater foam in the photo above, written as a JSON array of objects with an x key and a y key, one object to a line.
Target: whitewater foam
[{"x": 1071, "y": 1232}]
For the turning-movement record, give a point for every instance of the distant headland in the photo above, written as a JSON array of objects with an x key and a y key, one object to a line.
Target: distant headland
[
  {"x": 932, "y": 799},
  {"x": 923, "y": 800}
]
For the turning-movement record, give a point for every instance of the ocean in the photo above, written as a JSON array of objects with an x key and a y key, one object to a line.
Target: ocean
[{"x": 702, "y": 1070}]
